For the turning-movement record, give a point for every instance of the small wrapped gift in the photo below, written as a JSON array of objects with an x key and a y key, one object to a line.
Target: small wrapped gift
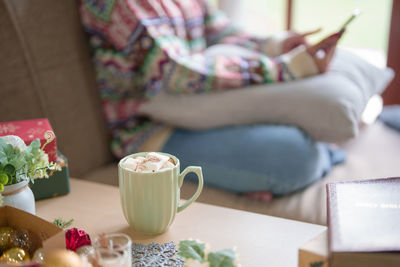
[
  {"x": 30, "y": 130},
  {"x": 315, "y": 252}
]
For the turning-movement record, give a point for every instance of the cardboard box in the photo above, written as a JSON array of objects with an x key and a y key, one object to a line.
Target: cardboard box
[
  {"x": 315, "y": 252},
  {"x": 52, "y": 237},
  {"x": 30, "y": 130},
  {"x": 56, "y": 185}
]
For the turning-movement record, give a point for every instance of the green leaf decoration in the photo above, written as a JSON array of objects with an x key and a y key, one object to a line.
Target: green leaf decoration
[
  {"x": 9, "y": 169},
  {"x": 18, "y": 161},
  {"x": 191, "y": 249},
  {"x": 222, "y": 258},
  {"x": 3, "y": 157},
  {"x": 9, "y": 151},
  {"x": 2, "y": 143},
  {"x": 317, "y": 264},
  {"x": 21, "y": 175},
  {"x": 3, "y": 178},
  {"x": 34, "y": 147}
]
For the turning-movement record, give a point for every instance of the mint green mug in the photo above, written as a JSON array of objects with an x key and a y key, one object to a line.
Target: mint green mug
[{"x": 150, "y": 200}]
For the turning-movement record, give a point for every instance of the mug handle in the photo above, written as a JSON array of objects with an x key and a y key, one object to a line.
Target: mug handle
[{"x": 199, "y": 173}]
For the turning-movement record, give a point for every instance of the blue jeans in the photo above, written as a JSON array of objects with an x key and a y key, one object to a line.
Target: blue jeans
[{"x": 276, "y": 158}]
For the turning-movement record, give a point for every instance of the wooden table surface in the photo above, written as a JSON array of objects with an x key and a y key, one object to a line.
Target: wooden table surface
[{"x": 260, "y": 240}]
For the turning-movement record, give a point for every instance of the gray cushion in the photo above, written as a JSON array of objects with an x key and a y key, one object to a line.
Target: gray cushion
[{"x": 327, "y": 106}]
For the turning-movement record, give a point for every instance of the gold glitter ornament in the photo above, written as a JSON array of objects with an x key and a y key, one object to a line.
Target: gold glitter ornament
[
  {"x": 62, "y": 258},
  {"x": 38, "y": 256},
  {"x": 15, "y": 255},
  {"x": 24, "y": 239},
  {"x": 7, "y": 234}
]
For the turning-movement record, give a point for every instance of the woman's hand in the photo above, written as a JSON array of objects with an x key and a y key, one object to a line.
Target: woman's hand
[
  {"x": 323, "y": 51},
  {"x": 295, "y": 39}
]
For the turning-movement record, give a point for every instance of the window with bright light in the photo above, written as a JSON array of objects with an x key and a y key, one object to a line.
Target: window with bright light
[
  {"x": 262, "y": 17},
  {"x": 367, "y": 35}
]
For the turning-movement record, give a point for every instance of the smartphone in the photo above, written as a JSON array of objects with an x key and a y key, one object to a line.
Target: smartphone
[
  {"x": 355, "y": 14},
  {"x": 340, "y": 32},
  {"x": 321, "y": 51}
]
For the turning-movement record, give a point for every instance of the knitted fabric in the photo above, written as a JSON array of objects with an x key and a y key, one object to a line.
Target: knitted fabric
[
  {"x": 156, "y": 255},
  {"x": 143, "y": 46}
]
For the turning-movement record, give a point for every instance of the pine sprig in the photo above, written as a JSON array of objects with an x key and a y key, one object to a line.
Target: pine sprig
[{"x": 62, "y": 224}]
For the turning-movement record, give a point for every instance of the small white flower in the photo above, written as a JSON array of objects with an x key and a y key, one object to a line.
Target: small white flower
[
  {"x": 15, "y": 141},
  {"x": 44, "y": 158}
]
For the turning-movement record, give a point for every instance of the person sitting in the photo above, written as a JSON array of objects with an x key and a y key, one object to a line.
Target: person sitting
[{"x": 141, "y": 48}]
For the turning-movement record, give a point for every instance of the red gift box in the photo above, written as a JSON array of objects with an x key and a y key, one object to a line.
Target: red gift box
[{"x": 30, "y": 130}]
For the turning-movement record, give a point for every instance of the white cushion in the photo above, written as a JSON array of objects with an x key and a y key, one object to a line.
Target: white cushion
[{"x": 328, "y": 106}]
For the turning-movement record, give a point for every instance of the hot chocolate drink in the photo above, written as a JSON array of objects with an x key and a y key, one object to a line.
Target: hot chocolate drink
[
  {"x": 153, "y": 162},
  {"x": 150, "y": 184}
]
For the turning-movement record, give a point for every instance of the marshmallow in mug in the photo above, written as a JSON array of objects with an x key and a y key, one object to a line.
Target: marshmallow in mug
[{"x": 153, "y": 162}]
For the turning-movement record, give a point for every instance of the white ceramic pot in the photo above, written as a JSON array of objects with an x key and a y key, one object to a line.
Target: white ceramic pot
[{"x": 19, "y": 196}]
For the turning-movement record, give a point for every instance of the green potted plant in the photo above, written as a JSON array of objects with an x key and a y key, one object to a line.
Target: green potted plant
[{"x": 20, "y": 164}]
